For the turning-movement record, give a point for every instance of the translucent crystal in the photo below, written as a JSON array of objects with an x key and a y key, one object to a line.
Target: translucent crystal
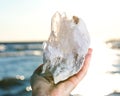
[{"x": 66, "y": 47}]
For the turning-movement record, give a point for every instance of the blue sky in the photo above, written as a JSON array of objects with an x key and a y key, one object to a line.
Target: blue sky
[{"x": 22, "y": 20}]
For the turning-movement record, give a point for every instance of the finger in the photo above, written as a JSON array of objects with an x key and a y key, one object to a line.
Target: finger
[
  {"x": 72, "y": 82},
  {"x": 84, "y": 69},
  {"x": 39, "y": 69}
]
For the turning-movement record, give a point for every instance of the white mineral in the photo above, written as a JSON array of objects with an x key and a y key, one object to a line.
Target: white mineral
[{"x": 66, "y": 47}]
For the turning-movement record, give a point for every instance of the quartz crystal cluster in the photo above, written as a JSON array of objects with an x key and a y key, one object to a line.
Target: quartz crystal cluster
[{"x": 65, "y": 50}]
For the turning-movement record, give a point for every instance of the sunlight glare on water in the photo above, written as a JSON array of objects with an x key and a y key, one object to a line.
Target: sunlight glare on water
[{"x": 99, "y": 82}]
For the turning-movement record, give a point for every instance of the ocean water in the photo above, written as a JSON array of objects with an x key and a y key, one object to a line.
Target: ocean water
[
  {"x": 19, "y": 60},
  {"x": 17, "y": 63}
]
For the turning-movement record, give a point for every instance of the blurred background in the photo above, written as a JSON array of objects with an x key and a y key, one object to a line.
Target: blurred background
[{"x": 25, "y": 25}]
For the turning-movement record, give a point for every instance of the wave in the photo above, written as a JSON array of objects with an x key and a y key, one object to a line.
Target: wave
[
  {"x": 20, "y": 46},
  {"x": 21, "y": 53},
  {"x": 2, "y": 47},
  {"x": 20, "y": 49},
  {"x": 113, "y": 43}
]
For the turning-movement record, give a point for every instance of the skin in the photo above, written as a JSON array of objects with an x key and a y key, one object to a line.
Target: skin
[{"x": 64, "y": 87}]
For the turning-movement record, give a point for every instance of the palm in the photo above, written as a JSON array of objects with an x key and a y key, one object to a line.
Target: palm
[{"x": 64, "y": 87}]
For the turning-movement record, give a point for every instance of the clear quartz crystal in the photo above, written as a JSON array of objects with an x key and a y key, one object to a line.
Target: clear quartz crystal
[{"x": 66, "y": 47}]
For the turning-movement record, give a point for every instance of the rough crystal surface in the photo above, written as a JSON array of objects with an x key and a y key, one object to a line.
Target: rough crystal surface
[{"x": 66, "y": 47}]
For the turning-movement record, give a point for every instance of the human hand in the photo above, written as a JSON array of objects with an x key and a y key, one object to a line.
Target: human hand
[{"x": 41, "y": 87}]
